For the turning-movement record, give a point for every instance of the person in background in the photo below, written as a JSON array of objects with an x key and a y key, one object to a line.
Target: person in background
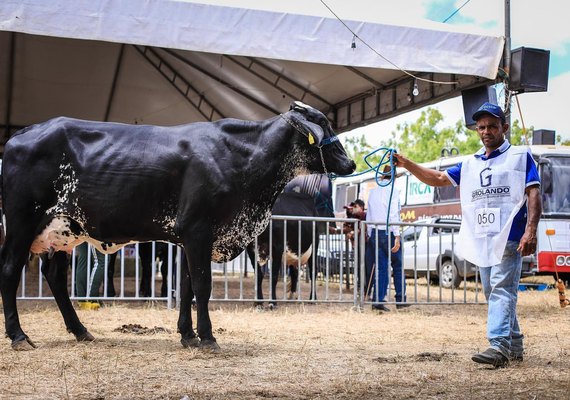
[
  {"x": 380, "y": 199},
  {"x": 501, "y": 207},
  {"x": 355, "y": 210},
  {"x": 95, "y": 278}
]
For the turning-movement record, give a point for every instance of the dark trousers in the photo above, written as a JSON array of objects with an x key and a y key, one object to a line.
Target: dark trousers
[{"x": 381, "y": 278}]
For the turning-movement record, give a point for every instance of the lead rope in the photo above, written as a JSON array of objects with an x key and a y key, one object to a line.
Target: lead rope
[
  {"x": 561, "y": 295},
  {"x": 561, "y": 287},
  {"x": 386, "y": 159}
]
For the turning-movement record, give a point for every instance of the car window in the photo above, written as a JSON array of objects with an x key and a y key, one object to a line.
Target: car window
[
  {"x": 411, "y": 233},
  {"x": 445, "y": 229}
]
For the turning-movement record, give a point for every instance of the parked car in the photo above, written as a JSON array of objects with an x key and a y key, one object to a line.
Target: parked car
[
  {"x": 430, "y": 245},
  {"x": 336, "y": 250}
]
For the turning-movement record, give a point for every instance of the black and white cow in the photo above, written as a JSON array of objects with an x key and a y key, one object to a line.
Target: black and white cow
[
  {"x": 289, "y": 244},
  {"x": 208, "y": 186}
]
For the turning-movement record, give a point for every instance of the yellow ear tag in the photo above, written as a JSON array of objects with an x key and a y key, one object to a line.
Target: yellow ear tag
[{"x": 311, "y": 139}]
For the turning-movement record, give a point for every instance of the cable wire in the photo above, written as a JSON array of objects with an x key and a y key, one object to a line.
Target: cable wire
[{"x": 355, "y": 36}]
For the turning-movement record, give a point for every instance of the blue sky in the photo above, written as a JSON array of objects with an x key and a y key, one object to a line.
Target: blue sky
[{"x": 540, "y": 25}]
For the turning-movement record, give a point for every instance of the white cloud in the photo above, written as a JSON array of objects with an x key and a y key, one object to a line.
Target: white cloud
[{"x": 533, "y": 24}]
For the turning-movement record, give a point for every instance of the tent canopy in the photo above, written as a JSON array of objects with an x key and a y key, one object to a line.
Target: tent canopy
[{"x": 169, "y": 62}]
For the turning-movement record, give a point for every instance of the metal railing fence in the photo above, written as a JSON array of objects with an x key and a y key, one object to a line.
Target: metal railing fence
[{"x": 337, "y": 272}]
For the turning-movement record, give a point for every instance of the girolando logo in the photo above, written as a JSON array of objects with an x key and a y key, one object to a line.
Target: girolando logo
[
  {"x": 485, "y": 178},
  {"x": 497, "y": 191}
]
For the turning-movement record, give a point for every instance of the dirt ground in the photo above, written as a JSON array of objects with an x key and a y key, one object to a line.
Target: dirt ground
[{"x": 295, "y": 352}]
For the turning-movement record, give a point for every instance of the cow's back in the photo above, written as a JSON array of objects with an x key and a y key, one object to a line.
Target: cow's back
[{"x": 113, "y": 179}]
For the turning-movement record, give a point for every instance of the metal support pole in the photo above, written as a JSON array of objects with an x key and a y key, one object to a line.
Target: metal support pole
[{"x": 507, "y": 63}]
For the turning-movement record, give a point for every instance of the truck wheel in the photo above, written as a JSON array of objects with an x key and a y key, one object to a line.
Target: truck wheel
[{"x": 449, "y": 275}]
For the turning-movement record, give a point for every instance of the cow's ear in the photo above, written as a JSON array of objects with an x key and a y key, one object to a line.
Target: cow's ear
[{"x": 315, "y": 133}]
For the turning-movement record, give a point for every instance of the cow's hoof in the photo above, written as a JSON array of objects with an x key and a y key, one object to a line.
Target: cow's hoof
[
  {"x": 272, "y": 306},
  {"x": 210, "y": 346},
  {"x": 23, "y": 345},
  {"x": 85, "y": 337},
  {"x": 190, "y": 342},
  {"x": 259, "y": 308}
]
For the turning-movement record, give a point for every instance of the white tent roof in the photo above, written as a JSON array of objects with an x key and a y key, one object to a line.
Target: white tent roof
[{"x": 171, "y": 61}]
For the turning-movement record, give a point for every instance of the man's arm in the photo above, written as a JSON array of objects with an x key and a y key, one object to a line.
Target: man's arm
[
  {"x": 527, "y": 245},
  {"x": 426, "y": 175}
]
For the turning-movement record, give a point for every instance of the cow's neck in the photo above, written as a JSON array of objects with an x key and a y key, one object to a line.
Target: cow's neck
[
  {"x": 278, "y": 159},
  {"x": 287, "y": 158}
]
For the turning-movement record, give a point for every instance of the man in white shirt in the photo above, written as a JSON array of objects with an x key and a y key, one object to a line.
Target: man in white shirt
[
  {"x": 500, "y": 207},
  {"x": 378, "y": 201}
]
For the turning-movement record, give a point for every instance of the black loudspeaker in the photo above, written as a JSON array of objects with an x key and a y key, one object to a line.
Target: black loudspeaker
[
  {"x": 473, "y": 99},
  {"x": 543, "y": 136},
  {"x": 529, "y": 70}
]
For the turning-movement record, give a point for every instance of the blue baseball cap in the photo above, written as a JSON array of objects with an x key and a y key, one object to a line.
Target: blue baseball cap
[{"x": 491, "y": 109}]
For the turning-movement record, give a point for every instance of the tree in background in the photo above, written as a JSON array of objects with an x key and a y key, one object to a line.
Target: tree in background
[{"x": 424, "y": 139}]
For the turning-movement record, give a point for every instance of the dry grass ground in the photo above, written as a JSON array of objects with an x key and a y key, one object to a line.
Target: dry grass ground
[{"x": 295, "y": 352}]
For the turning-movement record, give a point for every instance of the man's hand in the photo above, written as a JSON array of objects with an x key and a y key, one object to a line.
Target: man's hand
[
  {"x": 527, "y": 245},
  {"x": 400, "y": 160},
  {"x": 396, "y": 245},
  {"x": 426, "y": 175}
]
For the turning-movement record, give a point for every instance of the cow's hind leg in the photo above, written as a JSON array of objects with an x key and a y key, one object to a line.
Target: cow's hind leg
[
  {"x": 145, "y": 253},
  {"x": 259, "y": 276},
  {"x": 55, "y": 271},
  {"x": 293, "y": 281},
  {"x": 188, "y": 336},
  {"x": 275, "y": 270},
  {"x": 12, "y": 263}
]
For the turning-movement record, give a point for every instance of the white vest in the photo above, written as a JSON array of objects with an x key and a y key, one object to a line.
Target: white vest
[{"x": 492, "y": 193}]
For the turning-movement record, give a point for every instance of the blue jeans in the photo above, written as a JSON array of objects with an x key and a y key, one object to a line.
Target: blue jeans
[
  {"x": 381, "y": 278},
  {"x": 500, "y": 284}
]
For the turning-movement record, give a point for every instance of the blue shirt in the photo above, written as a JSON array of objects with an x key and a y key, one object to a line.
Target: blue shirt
[{"x": 532, "y": 178}]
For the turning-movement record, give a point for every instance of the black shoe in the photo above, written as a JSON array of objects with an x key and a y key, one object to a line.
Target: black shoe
[
  {"x": 380, "y": 307},
  {"x": 399, "y": 306},
  {"x": 492, "y": 357},
  {"x": 516, "y": 357}
]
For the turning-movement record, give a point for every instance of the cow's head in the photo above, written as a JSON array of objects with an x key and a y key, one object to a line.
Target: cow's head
[{"x": 326, "y": 153}]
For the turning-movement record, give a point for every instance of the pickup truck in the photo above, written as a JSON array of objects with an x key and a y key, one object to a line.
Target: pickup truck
[{"x": 427, "y": 246}]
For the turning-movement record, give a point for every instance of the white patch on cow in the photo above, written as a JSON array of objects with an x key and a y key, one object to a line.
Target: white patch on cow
[
  {"x": 291, "y": 258},
  {"x": 56, "y": 235},
  {"x": 167, "y": 222},
  {"x": 106, "y": 247},
  {"x": 300, "y": 103},
  {"x": 248, "y": 223},
  {"x": 65, "y": 186}
]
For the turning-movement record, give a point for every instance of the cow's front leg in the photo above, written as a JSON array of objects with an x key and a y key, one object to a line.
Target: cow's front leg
[
  {"x": 188, "y": 336},
  {"x": 199, "y": 253},
  {"x": 55, "y": 272},
  {"x": 275, "y": 269}
]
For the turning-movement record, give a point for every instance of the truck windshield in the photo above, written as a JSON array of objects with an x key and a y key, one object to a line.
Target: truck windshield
[{"x": 555, "y": 176}]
